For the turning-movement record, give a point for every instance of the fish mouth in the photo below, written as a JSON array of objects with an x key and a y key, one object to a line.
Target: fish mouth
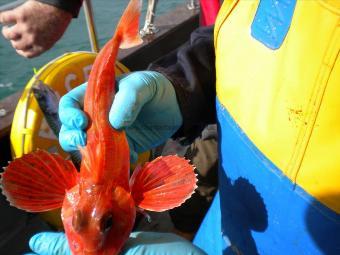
[
  {"x": 90, "y": 251},
  {"x": 93, "y": 248}
]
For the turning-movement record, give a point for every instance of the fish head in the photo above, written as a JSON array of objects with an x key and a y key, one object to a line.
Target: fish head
[{"x": 97, "y": 218}]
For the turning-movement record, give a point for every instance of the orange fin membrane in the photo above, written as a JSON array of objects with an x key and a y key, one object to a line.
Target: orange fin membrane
[
  {"x": 128, "y": 26},
  {"x": 37, "y": 181},
  {"x": 163, "y": 184}
]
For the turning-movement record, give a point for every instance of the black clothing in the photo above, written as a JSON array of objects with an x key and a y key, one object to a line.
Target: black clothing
[
  {"x": 203, "y": 154},
  {"x": 71, "y": 6},
  {"x": 191, "y": 70}
]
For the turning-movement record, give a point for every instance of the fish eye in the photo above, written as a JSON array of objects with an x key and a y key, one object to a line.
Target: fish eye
[{"x": 106, "y": 223}]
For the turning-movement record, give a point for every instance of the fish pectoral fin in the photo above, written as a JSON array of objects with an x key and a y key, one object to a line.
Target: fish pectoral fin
[
  {"x": 163, "y": 183},
  {"x": 128, "y": 26},
  {"x": 38, "y": 181}
]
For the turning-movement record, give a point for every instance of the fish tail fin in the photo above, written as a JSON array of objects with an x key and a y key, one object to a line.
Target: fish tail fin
[
  {"x": 128, "y": 26},
  {"x": 101, "y": 84},
  {"x": 37, "y": 181},
  {"x": 162, "y": 184}
]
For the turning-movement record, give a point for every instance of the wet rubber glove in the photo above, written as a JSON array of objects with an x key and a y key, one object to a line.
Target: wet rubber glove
[
  {"x": 139, "y": 243},
  {"x": 145, "y": 106}
]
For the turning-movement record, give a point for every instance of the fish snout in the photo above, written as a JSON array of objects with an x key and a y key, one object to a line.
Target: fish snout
[{"x": 94, "y": 244}]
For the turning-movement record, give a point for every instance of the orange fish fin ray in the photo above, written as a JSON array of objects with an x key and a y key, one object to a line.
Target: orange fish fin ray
[
  {"x": 128, "y": 26},
  {"x": 86, "y": 157},
  {"x": 38, "y": 181},
  {"x": 163, "y": 183}
]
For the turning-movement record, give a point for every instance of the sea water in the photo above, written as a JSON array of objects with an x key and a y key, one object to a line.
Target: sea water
[{"x": 16, "y": 71}]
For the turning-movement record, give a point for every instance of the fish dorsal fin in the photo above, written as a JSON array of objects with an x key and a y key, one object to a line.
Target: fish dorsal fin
[
  {"x": 128, "y": 26},
  {"x": 37, "y": 181},
  {"x": 163, "y": 183}
]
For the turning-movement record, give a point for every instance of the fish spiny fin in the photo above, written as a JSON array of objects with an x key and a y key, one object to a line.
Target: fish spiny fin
[
  {"x": 128, "y": 26},
  {"x": 86, "y": 157},
  {"x": 37, "y": 181},
  {"x": 163, "y": 184}
]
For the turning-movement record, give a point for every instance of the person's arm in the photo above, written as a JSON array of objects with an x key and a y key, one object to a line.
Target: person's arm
[
  {"x": 36, "y": 26},
  {"x": 191, "y": 70},
  {"x": 177, "y": 99},
  {"x": 71, "y": 6}
]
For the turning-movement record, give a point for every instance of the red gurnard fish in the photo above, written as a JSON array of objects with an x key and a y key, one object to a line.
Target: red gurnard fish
[{"x": 99, "y": 203}]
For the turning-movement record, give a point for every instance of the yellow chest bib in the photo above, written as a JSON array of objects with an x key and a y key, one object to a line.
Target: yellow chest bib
[{"x": 286, "y": 100}]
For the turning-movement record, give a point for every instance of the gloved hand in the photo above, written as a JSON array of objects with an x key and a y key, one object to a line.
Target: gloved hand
[
  {"x": 139, "y": 243},
  {"x": 145, "y": 106},
  {"x": 49, "y": 243}
]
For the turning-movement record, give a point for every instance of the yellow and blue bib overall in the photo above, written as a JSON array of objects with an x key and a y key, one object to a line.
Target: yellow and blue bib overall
[{"x": 278, "y": 108}]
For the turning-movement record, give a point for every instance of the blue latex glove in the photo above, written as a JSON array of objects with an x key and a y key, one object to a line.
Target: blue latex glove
[
  {"x": 49, "y": 243},
  {"x": 145, "y": 106},
  {"x": 139, "y": 243}
]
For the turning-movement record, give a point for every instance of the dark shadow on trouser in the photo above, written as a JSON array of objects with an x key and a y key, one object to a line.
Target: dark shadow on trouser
[
  {"x": 324, "y": 226},
  {"x": 242, "y": 210}
]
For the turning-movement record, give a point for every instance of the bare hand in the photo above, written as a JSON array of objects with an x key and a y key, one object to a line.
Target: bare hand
[{"x": 34, "y": 27}]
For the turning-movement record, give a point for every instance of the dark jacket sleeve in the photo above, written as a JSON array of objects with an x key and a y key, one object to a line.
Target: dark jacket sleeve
[
  {"x": 191, "y": 69},
  {"x": 71, "y": 6}
]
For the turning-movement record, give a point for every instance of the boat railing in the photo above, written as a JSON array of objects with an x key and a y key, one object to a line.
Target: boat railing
[
  {"x": 149, "y": 25},
  {"x": 193, "y": 4},
  {"x": 91, "y": 27}
]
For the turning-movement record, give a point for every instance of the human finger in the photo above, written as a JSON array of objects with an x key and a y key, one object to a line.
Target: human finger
[
  {"x": 70, "y": 106},
  {"x": 147, "y": 243},
  {"x": 49, "y": 243},
  {"x": 23, "y": 44},
  {"x": 133, "y": 93},
  {"x": 71, "y": 116},
  {"x": 8, "y": 17},
  {"x": 71, "y": 139},
  {"x": 11, "y": 33},
  {"x": 29, "y": 53}
]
